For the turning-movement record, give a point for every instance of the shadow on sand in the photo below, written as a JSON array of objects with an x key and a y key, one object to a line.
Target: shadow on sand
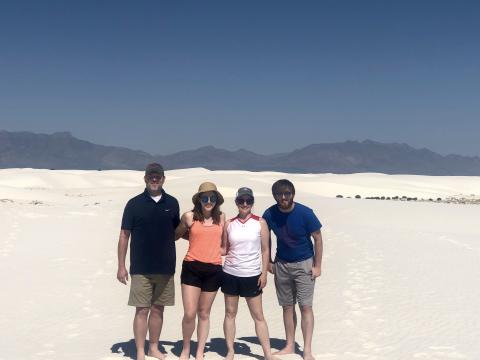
[
  {"x": 216, "y": 345},
  {"x": 275, "y": 344}
]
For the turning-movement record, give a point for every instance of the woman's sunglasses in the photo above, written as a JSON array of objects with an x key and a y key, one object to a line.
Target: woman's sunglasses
[
  {"x": 241, "y": 201},
  {"x": 205, "y": 199}
]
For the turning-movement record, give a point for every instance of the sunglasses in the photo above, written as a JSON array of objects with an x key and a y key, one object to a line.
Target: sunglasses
[
  {"x": 205, "y": 199},
  {"x": 154, "y": 177},
  {"x": 286, "y": 194},
  {"x": 241, "y": 201}
]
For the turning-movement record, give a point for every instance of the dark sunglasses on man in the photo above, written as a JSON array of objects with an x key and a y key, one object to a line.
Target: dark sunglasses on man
[
  {"x": 286, "y": 194},
  {"x": 154, "y": 177}
]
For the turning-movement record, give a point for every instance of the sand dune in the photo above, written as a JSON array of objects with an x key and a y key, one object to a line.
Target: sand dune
[{"x": 400, "y": 280}]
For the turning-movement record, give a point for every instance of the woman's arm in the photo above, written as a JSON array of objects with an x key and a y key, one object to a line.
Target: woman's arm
[
  {"x": 265, "y": 238},
  {"x": 224, "y": 246}
]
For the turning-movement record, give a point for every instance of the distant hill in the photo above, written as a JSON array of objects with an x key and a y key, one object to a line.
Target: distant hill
[{"x": 63, "y": 151}]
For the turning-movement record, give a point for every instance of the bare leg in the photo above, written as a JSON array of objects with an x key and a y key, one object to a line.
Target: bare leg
[
  {"x": 290, "y": 324},
  {"x": 231, "y": 308},
  {"x": 204, "y": 307},
  {"x": 307, "y": 331},
  {"x": 261, "y": 328},
  {"x": 155, "y": 322},
  {"x": 140, "y": 330},
  {"x": 190, "y": 298}
]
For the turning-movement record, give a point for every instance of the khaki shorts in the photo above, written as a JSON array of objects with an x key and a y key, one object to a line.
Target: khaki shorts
[
  {"x": 148, "y": 290},
  {"x": 294, "y": 283}
]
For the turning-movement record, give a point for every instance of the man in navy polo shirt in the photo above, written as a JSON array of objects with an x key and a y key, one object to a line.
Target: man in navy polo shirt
[
  {"x": 297, "y": 262},
  {"x": 150, "y": 220}
]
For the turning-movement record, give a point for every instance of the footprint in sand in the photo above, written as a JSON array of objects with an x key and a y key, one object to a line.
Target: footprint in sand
[
  {"x": 456, "y": 242},
  {"x": 357, "y": 313},
  {"x": 355, "y": 355},
  {"x": 46, "y": 353},
  {"x": 369, "y": 345},
  {"x": 440, "y": 352}
]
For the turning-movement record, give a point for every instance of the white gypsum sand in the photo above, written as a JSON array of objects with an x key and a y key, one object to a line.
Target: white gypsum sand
[{"x": 399, "y": 280}]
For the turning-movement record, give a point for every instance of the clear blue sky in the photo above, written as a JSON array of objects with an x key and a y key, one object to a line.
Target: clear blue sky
[{"x": 269, "y": 76}]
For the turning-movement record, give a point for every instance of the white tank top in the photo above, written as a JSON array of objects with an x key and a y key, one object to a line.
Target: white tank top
[{"x": 244, "y": 257}]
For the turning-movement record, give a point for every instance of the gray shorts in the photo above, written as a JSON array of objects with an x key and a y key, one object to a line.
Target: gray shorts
[
  {"x": 294, "y": 283},
  {"x": 148, "y": 290}
]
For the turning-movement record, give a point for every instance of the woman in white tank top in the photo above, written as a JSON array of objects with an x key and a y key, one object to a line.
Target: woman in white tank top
[{"x": 246, "y": 249}]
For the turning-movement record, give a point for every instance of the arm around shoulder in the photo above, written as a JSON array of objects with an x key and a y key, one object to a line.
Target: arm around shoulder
[{"x": 185, "y": 222}]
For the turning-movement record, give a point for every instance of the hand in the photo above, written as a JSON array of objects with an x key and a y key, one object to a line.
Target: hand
[
  {"x": 122, "y": 275},
  {"x": 262, "y": 281},
  {"x": 316, "y": 272},
  {"x": 271, "y": 268}
]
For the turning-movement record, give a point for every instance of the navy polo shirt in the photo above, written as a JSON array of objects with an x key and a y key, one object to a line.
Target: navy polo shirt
[{"x": 152, "y": 226}]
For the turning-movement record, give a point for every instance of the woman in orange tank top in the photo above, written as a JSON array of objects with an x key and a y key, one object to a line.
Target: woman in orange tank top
[{"x": 202, "y": 266}]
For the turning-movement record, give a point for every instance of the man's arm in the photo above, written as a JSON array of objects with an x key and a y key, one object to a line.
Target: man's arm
[
  {"x": 317, "y": 258},
  {"x": 270, "y": 268},
  {"x": 122, "y": 273},
  {"x": 184, "y": 226}
]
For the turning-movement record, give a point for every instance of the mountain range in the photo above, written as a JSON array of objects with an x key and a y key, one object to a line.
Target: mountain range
[{"x": 64, "y": 151}]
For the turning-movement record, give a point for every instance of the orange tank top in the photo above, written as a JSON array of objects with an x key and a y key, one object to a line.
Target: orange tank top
[{"x": 205, "y": 243}]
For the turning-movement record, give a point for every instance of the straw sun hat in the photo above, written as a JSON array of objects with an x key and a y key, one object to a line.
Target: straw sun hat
[{"x": 207, "y": 186}]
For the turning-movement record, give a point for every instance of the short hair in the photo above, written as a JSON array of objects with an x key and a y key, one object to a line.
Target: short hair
[
  {"x": 282, "y": 184},
  {"x": 154, "y": 168}
]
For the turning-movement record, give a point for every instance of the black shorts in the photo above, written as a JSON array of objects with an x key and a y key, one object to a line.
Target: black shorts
[
  {"x": 205, "y": 276},
  {"x": 240, "y": 286}
]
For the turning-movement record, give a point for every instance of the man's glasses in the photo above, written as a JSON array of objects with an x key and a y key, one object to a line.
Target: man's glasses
[
  {"x": 241, "y": 201},
  {"x": 205, "y": 199},
  {"x": 286, "y": 194},
  {"x": 154, "y": 177}
]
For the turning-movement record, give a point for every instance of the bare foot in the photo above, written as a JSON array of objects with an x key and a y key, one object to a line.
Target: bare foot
[
  {"x": 308, "y": 357},
  {"x": 271, "y": 357},
  {"x": 140, "y": 355},
  {"x": 154, "y": 352},
  {"x": 185, "y": 355},
  {"x": 199, "y": 356},
  {"x": 286, "y": 350},
  {"x": 230, "y": 355}
]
